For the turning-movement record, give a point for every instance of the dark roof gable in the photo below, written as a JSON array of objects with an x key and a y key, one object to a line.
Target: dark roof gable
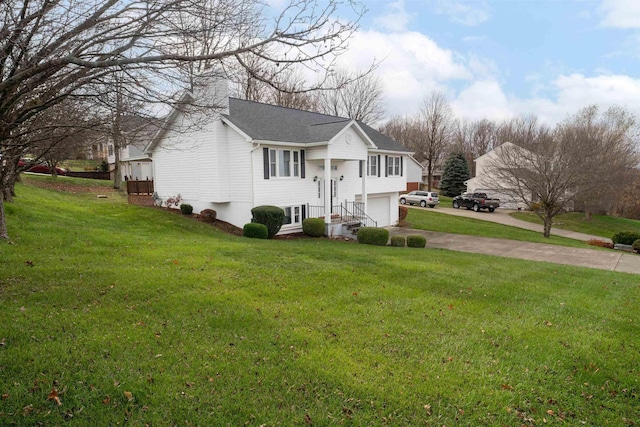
[{"x": 274, "y": 123}]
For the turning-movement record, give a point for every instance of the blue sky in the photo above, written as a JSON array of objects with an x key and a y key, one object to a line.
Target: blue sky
[{"x": 498, "y": 59}]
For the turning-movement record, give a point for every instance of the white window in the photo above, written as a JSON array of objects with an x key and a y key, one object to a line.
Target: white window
[
  {"x": 393, "y": 166},
  {"x": 284, "y": 163},
  {"x": 272, "y": 163},
  {"x": 292, "y": 215},
  {"x": 372, "y": 170},
  {"x": 296, "y": 163}
]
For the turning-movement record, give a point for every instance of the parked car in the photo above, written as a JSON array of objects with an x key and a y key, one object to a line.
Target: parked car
[
  {"x": 422, "y": 198},
  {"x": 475, "y": 201},
  {"x": 42, "y": 168}
]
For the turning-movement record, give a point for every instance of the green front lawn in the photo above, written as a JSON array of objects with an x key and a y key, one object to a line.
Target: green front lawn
[
  {"x": 432, "y": 220},
  {"x": 114, "y": 314},
  {"x": 600, "y": 225}
]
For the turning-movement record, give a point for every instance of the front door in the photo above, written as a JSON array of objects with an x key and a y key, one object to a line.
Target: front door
[{"x": 334, "y": 191}]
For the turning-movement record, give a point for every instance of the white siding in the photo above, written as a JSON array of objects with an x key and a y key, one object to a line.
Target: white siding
[
  {"x": 349, "y": 145},
  {"x": 176, "y": 166}
]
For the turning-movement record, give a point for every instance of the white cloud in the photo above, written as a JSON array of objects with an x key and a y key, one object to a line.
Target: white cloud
[
  {"x": 482, "y": 99},
  {"x": 621, "y": 13},
  {"x": 395, "y": 19},
  {"x": 565, "y": 95},
  {"x": 463, "y": 13},
  {"x": 412, "y": 66},
  {"x": 576, "y": 91}
]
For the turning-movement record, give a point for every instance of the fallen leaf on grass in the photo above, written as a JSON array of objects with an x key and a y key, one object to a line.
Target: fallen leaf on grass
[
  {"x": 128, "y": 395},
  {"x": 106, "y": 400},
  {"x": 54, "y": 396}
]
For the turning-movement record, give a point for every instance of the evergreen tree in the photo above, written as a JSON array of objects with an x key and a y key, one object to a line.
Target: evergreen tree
[{"x": 456, "y": 172}]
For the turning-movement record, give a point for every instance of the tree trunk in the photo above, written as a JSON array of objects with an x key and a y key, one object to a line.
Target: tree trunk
[
  {"x": 4, "y": 234},
  {"x": 587, "y": 214},
  {"x": 117, "y": 177},
  {"x": 7, "y": 191},
  {"x": 547, "y": 225}
]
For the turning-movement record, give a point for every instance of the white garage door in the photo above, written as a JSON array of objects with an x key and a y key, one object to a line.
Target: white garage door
[{"x": 379, "y": 210}]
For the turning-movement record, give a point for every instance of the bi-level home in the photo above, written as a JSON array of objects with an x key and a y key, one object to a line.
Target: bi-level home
[{"x": 247, "y": 154}]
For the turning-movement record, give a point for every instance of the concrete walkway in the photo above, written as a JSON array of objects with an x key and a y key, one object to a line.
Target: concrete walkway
[{"x": 604, "y": 260}]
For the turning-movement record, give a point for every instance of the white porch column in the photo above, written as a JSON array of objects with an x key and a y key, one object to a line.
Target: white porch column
[
  {"x": 327, "y": 190},
  {"x": 365, "y": 170}
]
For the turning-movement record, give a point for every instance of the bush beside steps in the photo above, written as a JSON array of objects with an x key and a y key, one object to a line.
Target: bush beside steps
[{"x": 255, "y": 230}]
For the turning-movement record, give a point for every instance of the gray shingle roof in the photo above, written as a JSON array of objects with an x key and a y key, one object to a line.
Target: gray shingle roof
[{"x": 273, "y": 123}]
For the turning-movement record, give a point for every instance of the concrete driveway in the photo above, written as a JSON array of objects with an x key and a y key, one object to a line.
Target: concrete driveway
[{"x": 600, "y": 259}]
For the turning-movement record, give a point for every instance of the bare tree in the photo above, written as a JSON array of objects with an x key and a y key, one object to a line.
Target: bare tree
[
  {"x": 356, "y": 95},
  {"x": 436, "y": 126},
  {"x": 522, "y": 131},
  {"x": 474, "y": 139},
  {"x": 51, "y": 50},
  {"x": 627, "y": 202},
  {"x": 551, "y": 170},
  {"x": 607, "y": 147}
]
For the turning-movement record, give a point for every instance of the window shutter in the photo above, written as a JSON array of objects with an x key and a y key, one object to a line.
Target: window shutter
[
  {"x": 379, "y": 165},
  {"x": 302, "y": 171},
  {"x": 386, "y": 165},
  {"x": 304, "y": 212},
  {"x": 265, "y": 162},
  {"x": 361, "y": 161},
  {"x": 401, "y": 166}
]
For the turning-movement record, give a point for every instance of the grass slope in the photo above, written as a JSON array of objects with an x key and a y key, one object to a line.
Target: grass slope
[
  {"x": 432, "y": 220},
  {"x": 600, "y": 225},
  {"x": 142, "y": 317}
]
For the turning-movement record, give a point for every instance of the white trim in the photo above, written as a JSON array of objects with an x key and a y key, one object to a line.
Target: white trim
[
  {"x": 359, "y": 130},
  {"x": 236, "y": 128},
  {"x": 290, "y": 144}
]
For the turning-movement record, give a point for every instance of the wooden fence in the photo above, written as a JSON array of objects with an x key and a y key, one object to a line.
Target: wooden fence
[{"x": 140, "y": 188}]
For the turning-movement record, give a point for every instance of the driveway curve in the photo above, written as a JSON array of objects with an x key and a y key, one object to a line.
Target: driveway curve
[{"x": 604, "y": 260}]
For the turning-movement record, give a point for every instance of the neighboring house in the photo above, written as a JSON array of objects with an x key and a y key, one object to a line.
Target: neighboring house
[
  {"x": 414, "y": 174},
  {"x": 487, "y": 182},
  {"x": 252, "y": 154},
  {"x": 135, "y": 164}
]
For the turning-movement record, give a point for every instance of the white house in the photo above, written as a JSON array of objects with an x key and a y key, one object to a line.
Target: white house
[
  {"x": 414, "y": 174},
  {"x": 135, "y": 164},
  {"x": 251, "y": 154},
  {"x": 487, "y": 182}
]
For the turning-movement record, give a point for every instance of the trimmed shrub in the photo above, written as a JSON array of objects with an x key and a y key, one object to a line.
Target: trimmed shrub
[
  {"x": 636, "y": 246},
  {"x": 373, "y": 236},
  {"x": 255, "y": 230},
  {"x": 402, "y": 215},
  {"x": 208, "y": 215},
  {"x": 271, "y": 216},
  {"x": 186, "y": 209},
  {"x": 416, "y": 241},
  {"x": 398, "y": 241},
  {"x": 625, "y": 237},
  {"x": 313, "y": 227}
]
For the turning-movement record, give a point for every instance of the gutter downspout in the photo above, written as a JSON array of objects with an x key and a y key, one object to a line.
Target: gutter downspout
[{"x": 253, "y": 201}]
